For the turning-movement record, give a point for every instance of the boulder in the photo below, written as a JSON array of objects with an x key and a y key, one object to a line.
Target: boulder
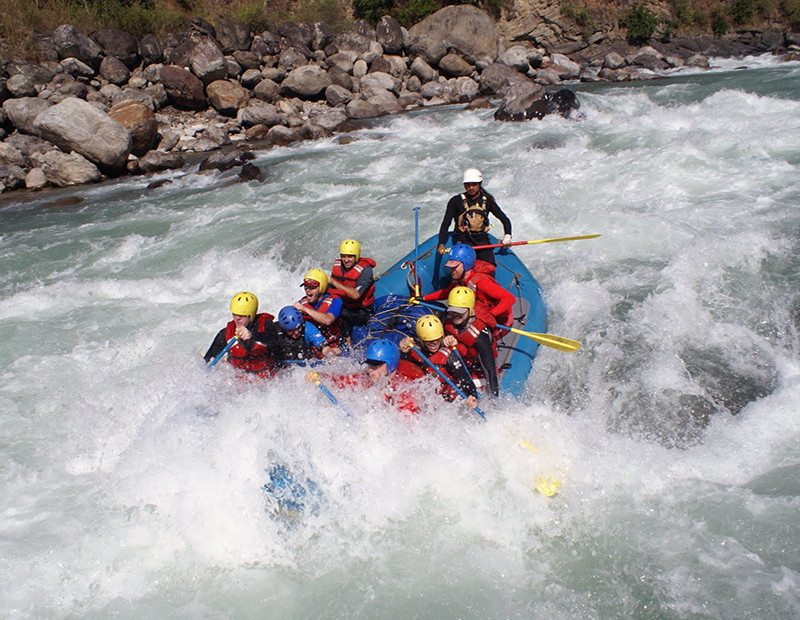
[
  {"x": 496, "y": 78},
  {"x": 183, "y": 89},
  {"x": 72, "y": 43},
  {"x": 247, "y": 60},
  {"x": 378, "y": 82},
  {"x": 452, "y": 65},
  {"x": 429, "y": 48},
  {"x": 118, "y": 44},
  {"x": 150, "y": 50},
  {"x": 64, "y": 170},
  {"x": 23, "y": 112},
  {"x": 267, "y": 90},
  {"x": 282, "y": 136},
  {"x": 227, "y": 97},
  {"x": 353, "y": 42},
  {"x": 11, "y": 177},
  {"x": 233, "y": 36},
  {"x": 258, "y": 113},
  {"x": 207, "y": 61},
  {"x": 250, "y": 78},
  {"x": 76, "y": 68},
  {"x": 613, "y": 61},
  {"x": 291, "y": 58},
  {"x": 21, "y": 86},
  {"x": 251, "y": 172},
  {"x": 76, "y": 125},
  {"x": 114, "y": 70},
  {"x": 140, "y": 121},
  {"x": 306, "y": 82},
  {"x": 389, "y": 34},
  {"x": 10, "y": 155},
  {"x": 336, "y": 95},
  {"x": 465, "y": 28},
  {"x": 517, "y": 57},
  {"x": 463, "y": 89},
  {"x": 342, "y": 60},
  {"x": 156, "y": 161},
  {"x": 35, "y": 72},
  {"x": 226, "y": 161},
  {"x": 36, "y": 179},
  {"x": 518, "y": 101},
  {"x": 384, "y": 102},
  {"x": 321, "y": 36},
  {"x": 422, "y": 70},
  {"x": 359, "y": 108}
]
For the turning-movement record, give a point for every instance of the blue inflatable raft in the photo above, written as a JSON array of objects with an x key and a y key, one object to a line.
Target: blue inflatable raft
[{"x": 394, "y": 318}]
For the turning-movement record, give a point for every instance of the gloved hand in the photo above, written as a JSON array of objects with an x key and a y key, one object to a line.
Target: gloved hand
[
  {"x": 242, "y": 333},
  {"x": 441, "y": 249},
  {"x": 506, "y": 241}
]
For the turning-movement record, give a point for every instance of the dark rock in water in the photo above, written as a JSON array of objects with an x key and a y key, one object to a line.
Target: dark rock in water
[
  {"x": 226, "y": 161},
  {"x": 518, "y": 105},
  {"x": 547, "y": 143},
  {"x": 159, "y": 183},
  {"x": 480, "y": 103},
  {"x": 66, "y": 201},
  {"x": 251, "y": 172}
]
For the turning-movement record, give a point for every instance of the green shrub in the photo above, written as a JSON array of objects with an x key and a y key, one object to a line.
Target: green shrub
[
  {"x": 742, "y": 11},
  {"x": 791, "y": 8},
  {"x": 582, "y": 15},
  {"x": 414, "y": 11},
  {"x": 371, "y": 10},
  {"x": 641, "y": 23},
  {"x": 719, "y": 21}
]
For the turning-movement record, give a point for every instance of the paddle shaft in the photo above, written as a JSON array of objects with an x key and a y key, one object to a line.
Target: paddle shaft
[
  {"x": 416, "y": 248},
  {"x": 227, "y": 348},
  {"x": 445, "y": 378},
  {"x": 500, "y": 245},
  {"x": 330, "y": 396}
]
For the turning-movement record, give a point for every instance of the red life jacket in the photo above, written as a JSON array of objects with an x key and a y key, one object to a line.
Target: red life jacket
[
  {"x": 331, "y": 332},
  {"x": 467, "y": 337},
  {"x": 438, "y": 359},
  {"x": 257, "y": 359},
  {"x": 471, "y": 279},
  {"x": 395, "y": 392},
  {"x": 349, "y": 278}
]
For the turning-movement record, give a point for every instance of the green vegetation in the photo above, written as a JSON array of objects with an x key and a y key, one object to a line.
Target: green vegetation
[
  {"x": 791, "y": 8},
  {"x": 581, "y": 15},
  {"x": 641, "y": 23},
  {"x": 742, "y": 11},
  {"x": 719, "y": 21},
  {"x": 414, "y": 11}
]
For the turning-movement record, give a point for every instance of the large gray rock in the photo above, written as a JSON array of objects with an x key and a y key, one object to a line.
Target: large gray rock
[
  {"x": 385, "y": 103},
  {"x": 118, "y": 44},
  {"x": 378, "y": 81},
  {"x": 38, "y": 73},
  {"x": 10, "y": 155},
  {"x": 72, "y": 43},
  {"x": 336, "y": 95},
  {"x": 227, "y": 97},
  {"x": 518, "y": 101},
  {"x": 208, "y": 62},
  {"x": 258, "y": 113},
  {"x": 291, "y": 58},
  {"x": 496, "y": 78},
  {"x": 389, "y": 34},
  {"x": 465, "y": 28},
  {"x": 21, "y": 86},
  {"x": 23, "y": 112},
  {"x": 75, "y": 125},
  {"x": 359, "y": 108},
  {"x": 452, "y": 65},
  {"x": 150, "y": 50},
  {"x": 155, "y": 161},
  {"x": 183, "y": 89},
  {"x": 233, "y": 36},
  {"x": 76, "y": 67},
  {"x": 11, "y": 177},
  {"x": 267, "y": 90},
  {"x": 114, "y": 70},
  {"x": 463, "y": 89},
  {"x": 67, "y": 169},
  {"x": 306, "y": 82},
  {"x": 429, "y": 48},
  {"x": 423, "y": 70}
]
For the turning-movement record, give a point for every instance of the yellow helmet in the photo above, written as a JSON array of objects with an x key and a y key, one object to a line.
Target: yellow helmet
[
  {"x": 462, "y": 297},
  {"x": 429, "y": 327},
  {"x": 351, "y": 246},
  {"x": 245, "y": 304},
  {"x": 318, "y": 276}
]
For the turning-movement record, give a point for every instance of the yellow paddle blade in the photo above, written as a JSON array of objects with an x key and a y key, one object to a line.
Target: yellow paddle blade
[
  {"x": 548, "y": 486},
  {"x": 578, "y": 238},
  {"x": 548, "y": 340}
]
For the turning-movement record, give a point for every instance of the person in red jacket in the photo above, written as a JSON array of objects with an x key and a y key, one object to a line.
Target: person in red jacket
[
  {"x": 353, "y": 280},
  {"x": 472, "y": 328},
  {"x": 386, "y": 372},
  {"x": 430, "y": 334},
  {"x": 320, "y": 308},
  {"x": 467, "y": 271},
  {"x": 256, "y": 334}
]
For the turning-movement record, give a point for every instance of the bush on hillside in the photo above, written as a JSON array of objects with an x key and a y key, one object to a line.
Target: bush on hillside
[
  {"x": 371, "y": 10},
  {"x": 742, "y": 11},
  {"x": 414, "y": 11},
  {"x": 641, "y": 24}
]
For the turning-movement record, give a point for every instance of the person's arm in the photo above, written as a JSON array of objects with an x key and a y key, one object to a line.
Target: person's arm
[
  {"x": 460, "y": 375},
  {"x": 504, "y": 300},
  {"x": 323, "y": 318},
  {"x": 216, "y": 346}
]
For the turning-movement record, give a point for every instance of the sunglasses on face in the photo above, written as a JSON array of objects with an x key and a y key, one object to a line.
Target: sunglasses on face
[{"x": 312, "y": 284}]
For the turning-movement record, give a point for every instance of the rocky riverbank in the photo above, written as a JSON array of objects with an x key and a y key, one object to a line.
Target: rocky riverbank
[{"x": 104, "y": 105}]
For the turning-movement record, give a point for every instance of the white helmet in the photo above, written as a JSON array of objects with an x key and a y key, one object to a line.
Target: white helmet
[{"x": 473, "y": 175}]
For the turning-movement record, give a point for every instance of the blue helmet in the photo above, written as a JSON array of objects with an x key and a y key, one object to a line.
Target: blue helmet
[
  {"x": 384, "y": 350},
  {"x": 290, "y": 318},
  {"x": 464, "y": 254}
]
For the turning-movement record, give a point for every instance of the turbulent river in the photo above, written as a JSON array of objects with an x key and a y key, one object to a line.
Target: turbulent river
[{"x": 131, "y": 475}]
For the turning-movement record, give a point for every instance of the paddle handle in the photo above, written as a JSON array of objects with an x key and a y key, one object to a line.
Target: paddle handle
[
  {"x": 500, "y": 245},
  {"x": 227, "y": 348}
]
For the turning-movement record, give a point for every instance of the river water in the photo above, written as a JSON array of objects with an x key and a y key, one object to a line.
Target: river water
[{"x": 131, "y": 476}]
